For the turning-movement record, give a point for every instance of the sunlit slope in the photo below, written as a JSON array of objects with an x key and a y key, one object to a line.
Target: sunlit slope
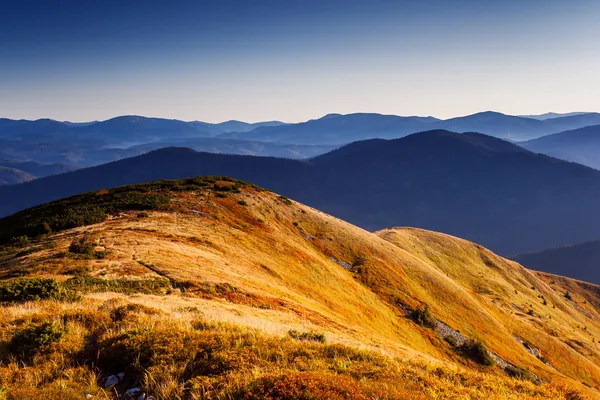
[
  {"x": 499, "y": 301},
  {"x": 249, "y": 257}
]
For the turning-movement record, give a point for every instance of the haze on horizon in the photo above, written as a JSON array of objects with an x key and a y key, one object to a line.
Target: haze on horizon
[{"x": 296, "y": 60}]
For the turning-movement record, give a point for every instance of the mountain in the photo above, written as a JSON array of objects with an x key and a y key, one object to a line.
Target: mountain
[
  {"x": 582, "y": 261},
  {"x": 518, "y": 128},
  {"x": 10, "y": 128},
  {"x": 215, "y": 288},
  {"x": 496, "y": 124},
  {"x": 134, "y": 129},
  {"x": 551, "y": 115},
  {"x": 342, "y": 129},
  {"x": 36, "y": 169},
  {"x": 470, "y": 185},
  {"x": 240, "y": 126},
  {"x": 11, "y": 176},
  {"x": 85, "y": 154},
  {"x": 336, "y": 129},
  {"x": 579, "y": 145},
  {"x": 93, "y": 143}
]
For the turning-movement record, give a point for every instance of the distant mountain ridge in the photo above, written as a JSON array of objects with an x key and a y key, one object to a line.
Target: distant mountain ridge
[
  {"x": 470, "y": 185},
  {"x": 11, "y": 176},
  {"x": 579, "y": 145},
  {"x": 582, "y": 261},
  {"x": 550, "y": 115},
  {"x": 13, "y": 172},
  {"x": 341, "y": 129}
]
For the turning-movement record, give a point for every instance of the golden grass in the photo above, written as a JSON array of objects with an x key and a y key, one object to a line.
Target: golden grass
[{"x": 268, "y": 267}]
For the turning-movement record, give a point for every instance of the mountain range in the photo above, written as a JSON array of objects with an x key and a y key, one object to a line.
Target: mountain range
[
  {"x": 470, "y": 185},
  {"x": 341, "y": 129},
  {"x": 92, "y": 143}
]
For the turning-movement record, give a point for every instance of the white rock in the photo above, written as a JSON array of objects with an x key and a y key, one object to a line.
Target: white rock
[
  {"x": 88, "y": 396},
  {"x": 132, "y": 392},
  {"x": 111, "y": 381}
]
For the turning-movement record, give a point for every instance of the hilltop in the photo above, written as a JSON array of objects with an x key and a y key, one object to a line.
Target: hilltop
[
  {"x": 454, "y": 183},
  {"x": 215, "y": 288}
]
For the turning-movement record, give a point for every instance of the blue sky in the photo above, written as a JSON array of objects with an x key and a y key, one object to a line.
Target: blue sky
[{"x": 295, "y": 60}]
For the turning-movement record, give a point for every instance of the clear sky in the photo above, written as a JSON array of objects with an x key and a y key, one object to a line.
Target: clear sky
[{"x": 294, "y": 60}]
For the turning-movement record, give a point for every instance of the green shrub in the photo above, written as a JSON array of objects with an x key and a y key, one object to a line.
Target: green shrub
[
  {"x": 21, "y": 290},
  {"x": 84, "y": 246},
  {"x": 451, "y": 340},
  {"x": 520, "y": 373},
  {"x": 307, "y": 336},
  {"x": 142, "y": 214},
  {"x": 423, "y": 317},
  {"x": 296, "y": 385},
  {"x": 476, "y": 351},
  {"x": 19, "y": 240},
  {"x": 285, "y": 200},
  {"x": 120, "y": 313},
  {"x": 89, "y": 284},
  {"x": 568, "y": 296},
  {"x": 242, "y": 203},
  {"x": 30, "y": 340}
]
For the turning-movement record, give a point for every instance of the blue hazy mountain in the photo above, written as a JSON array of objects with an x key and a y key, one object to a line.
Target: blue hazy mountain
[
  {"x": 439, "y": 180},
  {"x": 579, "y": 145},
  {"x": 550, "y": 115},
  {"x": 91, "y": 143},
  {"x": 240, "y": 126},
  {"x": 36, "y": 169},
  {"x": 18, "y": 128},
  {"x": 123, "y": 130},
  {"x": 11, "y": 176},
  {"x": 580, "y": 261},
  {"x": 339, "y": 129},
  {"x": 342, "y": 129}
]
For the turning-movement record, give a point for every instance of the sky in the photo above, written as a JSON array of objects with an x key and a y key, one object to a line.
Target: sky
[{"x": 290, "y": 60}]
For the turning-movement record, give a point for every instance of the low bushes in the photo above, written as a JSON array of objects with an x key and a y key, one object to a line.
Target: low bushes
[
  {"x": 476, "y": 351},
  {"x": 21, "y": 290},
  {"x": 26, "y": 342},
  {"x": 303, "y": 386},
  {"x": 422, "y": 316},
  {"x": 307, "y": 336},
  {"x": 451, "y": 340},
  {"x": 88, "y": 284},
  {"x": 34, "y": 289},
  {"x": 520, "y": 373}
]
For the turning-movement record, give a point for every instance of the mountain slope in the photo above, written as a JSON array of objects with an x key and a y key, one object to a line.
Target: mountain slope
[
  {"x": 234, "y": 254},
  {"x": 36, "y": 169},
  {"x": 454, "y": 183},
  {"x": 11, "y": 176},
  {"x": 579, "y": 145},
  {"x": 581, "y": 260}
]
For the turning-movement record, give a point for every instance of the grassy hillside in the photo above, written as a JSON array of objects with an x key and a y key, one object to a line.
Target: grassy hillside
[{"x": 214, "y": 288}]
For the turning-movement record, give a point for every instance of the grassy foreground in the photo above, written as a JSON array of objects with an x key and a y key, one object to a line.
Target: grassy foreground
[{"x": 53, "y": 349}]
